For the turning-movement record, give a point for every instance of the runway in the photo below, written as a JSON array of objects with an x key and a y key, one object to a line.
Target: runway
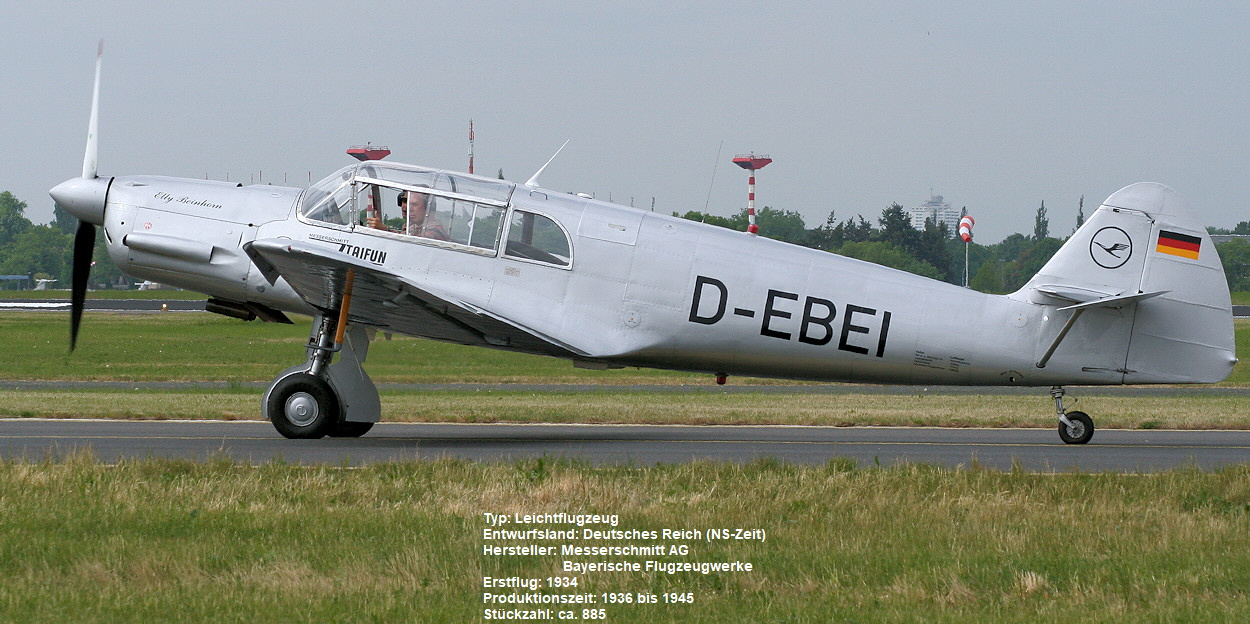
[
  {"x": 104, "y": 305},
  {"x": 1001, "y": 449}
]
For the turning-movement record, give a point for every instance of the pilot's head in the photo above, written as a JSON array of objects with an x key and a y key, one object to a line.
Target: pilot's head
[{"x": 415, "y": 201}]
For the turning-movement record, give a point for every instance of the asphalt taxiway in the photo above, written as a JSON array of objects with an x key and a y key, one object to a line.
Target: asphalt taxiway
[
  {"x": 1001, "y": 449},
  {"x": 104, "y": 305}
]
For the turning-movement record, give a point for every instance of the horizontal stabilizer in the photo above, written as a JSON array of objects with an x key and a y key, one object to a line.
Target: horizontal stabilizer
[
  {"x": 1074, "y": 294},
  {"x": 1117, "y": 301}
]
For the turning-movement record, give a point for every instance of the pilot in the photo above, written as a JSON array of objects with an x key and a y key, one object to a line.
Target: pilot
[{"x": 413, "y": 207}]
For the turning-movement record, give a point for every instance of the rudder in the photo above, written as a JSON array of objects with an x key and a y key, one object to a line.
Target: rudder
[{"x": 1186, "y": 334}]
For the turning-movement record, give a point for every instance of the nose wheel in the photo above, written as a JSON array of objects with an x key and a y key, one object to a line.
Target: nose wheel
[
  {"x": 320, "y": 398},
  {"x": 1074, "y": 427}
]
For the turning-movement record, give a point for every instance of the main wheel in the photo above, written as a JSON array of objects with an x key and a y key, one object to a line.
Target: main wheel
[
  {"x": 303, "y": 406},
  {"x": 347, "y": 429},
  {"x": 1081, "y": 430}
]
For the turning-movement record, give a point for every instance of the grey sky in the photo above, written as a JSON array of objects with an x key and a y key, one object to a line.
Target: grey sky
[{"x": 997, "y": 106}]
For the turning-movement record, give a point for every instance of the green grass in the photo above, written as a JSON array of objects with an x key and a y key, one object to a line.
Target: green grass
[
  {"x": 193, "y": 347},
  {"x": 181, "y": 541},
  {"x": 158, "y": 540},
  {"x": 180, "y": 346},
  {"x": 609, "y": 404}
]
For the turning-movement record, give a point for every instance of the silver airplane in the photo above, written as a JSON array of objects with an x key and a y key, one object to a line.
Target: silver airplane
[{"x": 1136, "y": 296}]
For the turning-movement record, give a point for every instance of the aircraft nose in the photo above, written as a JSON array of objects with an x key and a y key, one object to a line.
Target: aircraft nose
[{"x": 83, "y": 197}]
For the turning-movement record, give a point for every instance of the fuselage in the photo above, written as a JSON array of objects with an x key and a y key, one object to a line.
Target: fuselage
[{"x": 625, "y": 287}]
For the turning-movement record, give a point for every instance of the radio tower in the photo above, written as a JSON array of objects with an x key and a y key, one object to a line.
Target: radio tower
[
  {"x": 751, "y": 162},
  {"x": 470, "y": 146}
]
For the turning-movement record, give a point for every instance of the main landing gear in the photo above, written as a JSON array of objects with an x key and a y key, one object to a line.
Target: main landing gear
[
  {"x": 1074, "y": 427},
  {"x": 320, "y": 398}
]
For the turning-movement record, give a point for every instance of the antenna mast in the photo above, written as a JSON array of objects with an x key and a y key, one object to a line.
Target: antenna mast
[{"x": 751, "y": 162}]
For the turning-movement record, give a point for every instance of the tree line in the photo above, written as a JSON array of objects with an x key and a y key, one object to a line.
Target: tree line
[
  {"x": 44, "y": 251},
  {"x": 933, "y": 251},
  {"x": 936, "y": 252}
]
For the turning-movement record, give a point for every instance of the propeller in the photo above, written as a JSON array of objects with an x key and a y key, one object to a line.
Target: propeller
[
  {"x": 84, "y": 246},
  {"x": 93, "y": 125},
  {"x": 84, "y": 197}
]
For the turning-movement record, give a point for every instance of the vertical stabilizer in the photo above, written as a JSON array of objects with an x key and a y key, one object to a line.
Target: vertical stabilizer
[{"x": 1150, "y": 274}]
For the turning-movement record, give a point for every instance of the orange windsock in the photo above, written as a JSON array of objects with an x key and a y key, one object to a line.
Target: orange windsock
[{"x": 965, "y": 229}]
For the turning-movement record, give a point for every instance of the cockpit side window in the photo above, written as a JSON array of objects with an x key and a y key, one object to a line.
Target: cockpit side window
[
  {"x": 473, "y": 210},
  {"x": 468, "y": 222},
  {"x": 535, "y": 237},
  {"x": 425, "y": 215},
  {"x": 426, "y": 204},
  {"x": 387, "y": 208}
]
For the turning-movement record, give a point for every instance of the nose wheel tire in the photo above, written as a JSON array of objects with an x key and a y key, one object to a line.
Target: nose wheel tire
[
  {"x": 303, "y": 406},
  {"x": 1080, "y": 431}
]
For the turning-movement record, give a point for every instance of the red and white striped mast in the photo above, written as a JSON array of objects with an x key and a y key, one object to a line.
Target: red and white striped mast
[
  {"x": 751, "y": 163},
  {"x": 470, "y": 146}
]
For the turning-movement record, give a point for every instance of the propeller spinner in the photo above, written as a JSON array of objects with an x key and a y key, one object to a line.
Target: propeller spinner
[{"x": 84, "y": 197}]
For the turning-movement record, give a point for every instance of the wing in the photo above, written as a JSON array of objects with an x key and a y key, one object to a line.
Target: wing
[{"x": 390, "y": 302}]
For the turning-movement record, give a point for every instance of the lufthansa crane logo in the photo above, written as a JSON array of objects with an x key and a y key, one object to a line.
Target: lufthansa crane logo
[{"x": 1111, "y": 247}]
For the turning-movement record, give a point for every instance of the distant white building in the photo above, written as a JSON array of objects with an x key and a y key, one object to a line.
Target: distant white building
[{"x": 937, "y": 209}]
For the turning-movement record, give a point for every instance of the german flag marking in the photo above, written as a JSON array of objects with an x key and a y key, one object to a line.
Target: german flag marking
[{"x": 1177, "y": 244}]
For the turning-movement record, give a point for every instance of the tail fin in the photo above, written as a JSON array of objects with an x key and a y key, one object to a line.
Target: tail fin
[{"x": 1143, "y": 256}]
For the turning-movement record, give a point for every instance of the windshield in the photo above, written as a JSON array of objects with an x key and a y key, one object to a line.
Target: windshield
[{"x": 329, "y": 200}]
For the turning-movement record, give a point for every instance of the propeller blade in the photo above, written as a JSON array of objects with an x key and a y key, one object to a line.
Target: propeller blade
[
  {"x": 89, "y": 159},
  {"x": 84, "y": 247}
]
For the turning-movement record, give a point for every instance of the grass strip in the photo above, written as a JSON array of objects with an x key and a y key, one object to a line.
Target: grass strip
[
  {"x": 196, "y": 346},
  {"x": 609, "y": 405},
  {"x": 161, "y": 540}
]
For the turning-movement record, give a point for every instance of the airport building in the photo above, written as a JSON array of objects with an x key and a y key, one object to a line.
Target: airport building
[{"x": 937, "y": 209}]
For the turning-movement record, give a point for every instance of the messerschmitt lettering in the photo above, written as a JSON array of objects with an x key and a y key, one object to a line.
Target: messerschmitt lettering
[
  {"x": 318, "y": 236},
  {"x": 1137, "y": 295},
  {"x": 862, "y": 330}
]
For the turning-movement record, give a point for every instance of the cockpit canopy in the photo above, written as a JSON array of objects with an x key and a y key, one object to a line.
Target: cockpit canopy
[
  {"x": 462, "y": 210},
  {"x": 458, "y": 208}
]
